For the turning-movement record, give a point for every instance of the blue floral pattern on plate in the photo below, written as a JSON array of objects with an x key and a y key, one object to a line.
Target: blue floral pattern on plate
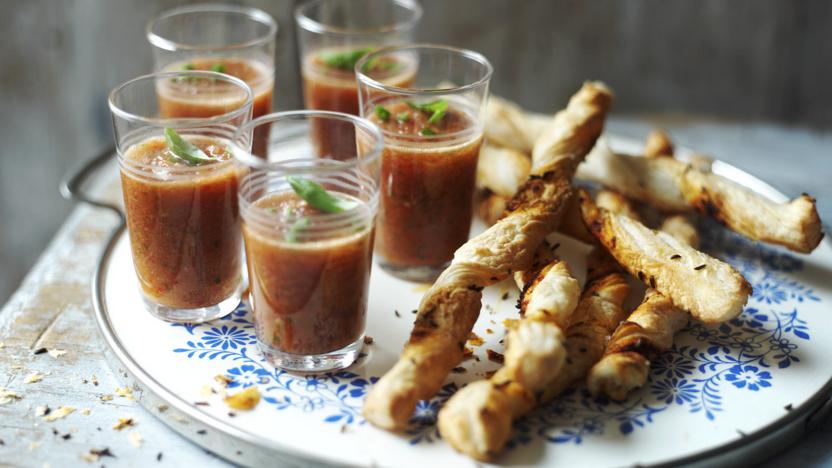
[{"x": 706, "y": 362}]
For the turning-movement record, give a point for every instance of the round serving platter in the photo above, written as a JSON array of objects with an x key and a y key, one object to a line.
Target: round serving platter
[{"x": 733, "y": 392}]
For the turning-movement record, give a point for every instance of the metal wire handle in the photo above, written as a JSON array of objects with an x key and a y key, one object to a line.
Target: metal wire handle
[{"x": 71, "y": 185}]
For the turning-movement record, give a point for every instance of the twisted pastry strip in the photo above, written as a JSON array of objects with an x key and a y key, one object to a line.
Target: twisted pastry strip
[
  {"x": 599, "y": 311},
  {"x": 451, "y": 306},
  {"x": 650, "y": 328},
  {"x": 711, "y": 290},
  {"x": 658, "y": 144},
  {"x": 477, "y": 419},
  {"x": 502, "y": 170},
  {"x": 647, "y": 332},
  {"x": 508, "y": 125},
  {"x": 490, "y": 206},
  {"x": 672, "y": 185}
]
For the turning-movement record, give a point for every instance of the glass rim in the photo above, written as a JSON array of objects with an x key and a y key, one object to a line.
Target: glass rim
[
  {"x": 181, "y": 121},
  {"x": 255, "y": 14},
  {"x": 477, "y": 57},
  {"x": 291, "y": 166},
  {"x": 309, "y": 24}
]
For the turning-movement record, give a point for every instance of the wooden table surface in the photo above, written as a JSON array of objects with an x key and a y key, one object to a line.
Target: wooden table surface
[{"x": 52, "y": 310}]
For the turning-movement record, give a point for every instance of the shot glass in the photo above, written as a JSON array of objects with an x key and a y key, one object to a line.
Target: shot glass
[
  {"x": 432, "y": 131},
  {"x": 308, "y": 226},
  {"x": 179, "y": 182},
  {"x": 332, "y": 36},
  {"x": 235, "y": 40}
]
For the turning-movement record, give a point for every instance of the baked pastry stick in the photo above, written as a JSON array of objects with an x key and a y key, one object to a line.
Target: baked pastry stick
[
  {"x": 648, "y": 331},
  {"x": 490, "y": 206},
  {"x": 477, "y": 420},
  {"x": 671, "y": 185},
  {"x": 658, "y": 144},
  {"x": 650, "y": 328},
  {"x": 451, "y": 306},
  {"x": 508, "y": 125},
  {"x": 599, "y": 311},
  {"x": 711, "y": 290},
  {"x": 502, "y": 170}
]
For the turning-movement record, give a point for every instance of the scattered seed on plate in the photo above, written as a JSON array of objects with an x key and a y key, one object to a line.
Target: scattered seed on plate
[
  {"x": 224, "y": 380},
  {"x": 86, "y": 411},
  {"x": 368, "y": 340},
  {"x": 494, "y": 356},
  {"x": 8, "y": 396},
  {"x": 106, "y": 397},
  {"x": 510, "y": 323},
  {"x": 475, "y": 340},
  {"x": 60, "y": 413},
  {"x": 244, "y": 400},
  {"x": 42, "y": 410},
  {"x": 124, "y": 392},
  {"x": 34, "y": 377},
  {"x": 123, "y": 422},
  {"x": 39, "y": 351}
]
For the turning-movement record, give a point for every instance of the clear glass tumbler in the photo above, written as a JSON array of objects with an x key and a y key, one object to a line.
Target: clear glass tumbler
[
  {"x": 308, "y": 226},
  {"x": 236, "y": 40},
  {"x": 179, "y": 181},
  {"x": 433, "y": 129},
  {"x": 332, "y": 36}
]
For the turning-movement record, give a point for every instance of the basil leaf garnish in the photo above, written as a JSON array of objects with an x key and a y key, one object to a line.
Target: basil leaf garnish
[{"x": 183, "y": 149}]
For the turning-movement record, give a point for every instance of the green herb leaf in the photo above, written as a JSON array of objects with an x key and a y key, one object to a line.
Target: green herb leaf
[
  {"x": 345, "y": 60},
  {"x": 183, "y": 149},
  {"x": 436, "y": 109},
  {"x": 402, "y": 117},
  {"x": 188, "y": 66},
  {"x": 295, "y": 228},
  {"x": 427, "y": 131},
  {"x": 382, "y": 113},
  {"x": 218, "y": 67},
  {"x": 317, "y": 196}
]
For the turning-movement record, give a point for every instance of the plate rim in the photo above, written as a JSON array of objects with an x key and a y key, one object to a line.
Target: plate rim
[{"x": 160, "y": 392}]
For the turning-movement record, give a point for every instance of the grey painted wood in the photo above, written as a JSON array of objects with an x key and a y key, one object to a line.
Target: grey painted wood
[{"x": 767, "y": 60}]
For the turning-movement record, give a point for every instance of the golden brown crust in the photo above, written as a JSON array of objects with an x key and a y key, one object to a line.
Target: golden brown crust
[
  {"x": 508, "y": 125},
  {"x": 711, "y": 290},
  {"x": 647, "y": 332},
  {"x": 490, "y": 206},
  {"x": 658, "y": 144},
  {"x": 614, "y": 202},
  {"x": 477, "y": 419},
  {"x": 795, "y": 224},
  {"x": 682, "y": 228},
  {"x": 454, "y": 301},
  {"x": 599, "y": 311},
  {"x": 674, "y": 186},
  {"x": 573, "y": 225},
  {"x": 502, "y": 170}
]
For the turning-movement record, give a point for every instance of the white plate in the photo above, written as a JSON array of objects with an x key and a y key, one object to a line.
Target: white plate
[{"x": 717, "y": 388}]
